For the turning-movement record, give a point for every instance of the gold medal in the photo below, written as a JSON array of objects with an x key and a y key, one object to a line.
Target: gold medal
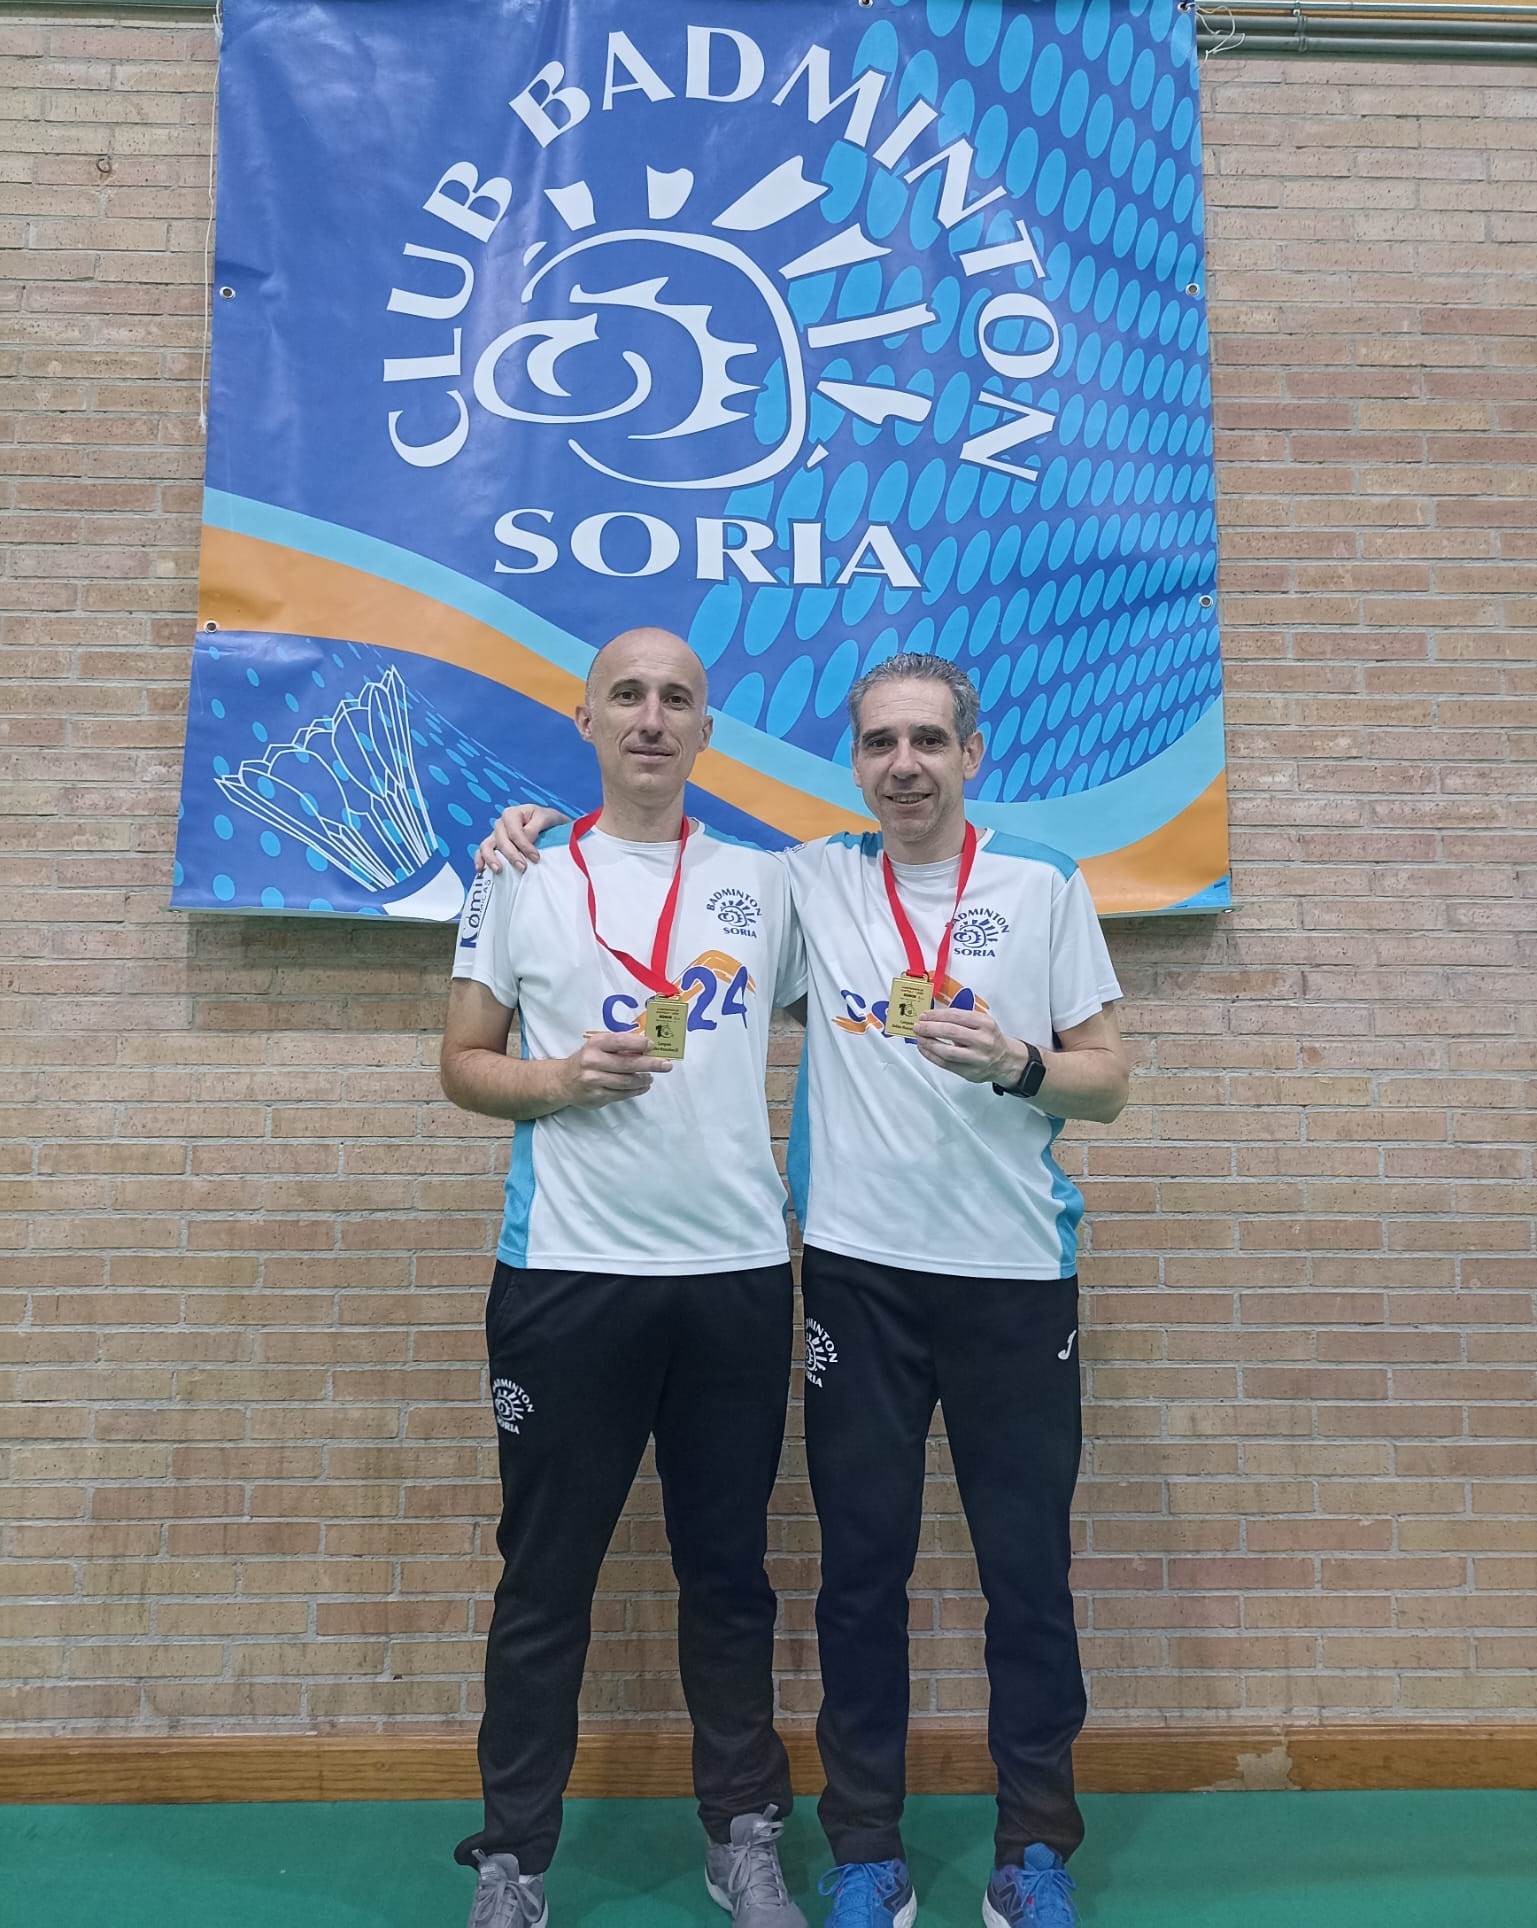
[
  {"x": 910, "y": 998},
  {"x": 666, "y": 1012},
  {"x": 912, "y": 994},
  {"x": 666, "y": 1026}
]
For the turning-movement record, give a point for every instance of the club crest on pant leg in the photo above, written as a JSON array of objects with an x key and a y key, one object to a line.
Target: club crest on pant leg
[
  {"x": 511, "y": 1404},
  {"x": 821, "y": 1353}
]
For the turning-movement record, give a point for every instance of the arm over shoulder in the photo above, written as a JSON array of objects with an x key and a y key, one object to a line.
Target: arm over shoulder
[{"x": 484, "y": 950}]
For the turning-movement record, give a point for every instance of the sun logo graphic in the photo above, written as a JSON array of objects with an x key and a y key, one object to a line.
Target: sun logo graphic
[
  {"x": 666, "y": 336},
  {"x": 737, "y": 911},
  {"x": 511, "y": 1404},
  {"x": 672, "y": 329},
  {"x": 978, "y": 932},
  {"x": 821, "y": 1353}
]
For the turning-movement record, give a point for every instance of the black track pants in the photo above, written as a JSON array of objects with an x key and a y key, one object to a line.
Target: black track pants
[
  {"x": 1002, "y": 1355},
  {"x": 585, "y": 1367}
]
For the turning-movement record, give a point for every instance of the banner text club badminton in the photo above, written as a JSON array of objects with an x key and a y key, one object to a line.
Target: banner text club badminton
[{"x": 808, "y": 329}]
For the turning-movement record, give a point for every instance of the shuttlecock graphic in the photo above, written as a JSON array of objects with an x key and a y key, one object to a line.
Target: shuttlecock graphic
[{"x": 347, "y": 787}]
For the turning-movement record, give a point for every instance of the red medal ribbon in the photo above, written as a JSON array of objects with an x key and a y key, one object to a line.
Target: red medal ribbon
[
  {"x": 904, "y": 926},
  {"x": 653, "y": 975}
]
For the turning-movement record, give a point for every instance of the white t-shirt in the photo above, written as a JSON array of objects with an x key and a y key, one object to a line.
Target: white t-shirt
[
  {"x": 681, "y": 1179},
  {"x": 894, "y": 1159}
]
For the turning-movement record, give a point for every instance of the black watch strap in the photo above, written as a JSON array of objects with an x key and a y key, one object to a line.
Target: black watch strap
[{"x": 1030, "y": 1079}]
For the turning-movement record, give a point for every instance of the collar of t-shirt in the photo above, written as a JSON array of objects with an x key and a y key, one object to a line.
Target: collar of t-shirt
[
  {"x": 612, "y": 846},
  {"x": 944, "y": 871}
]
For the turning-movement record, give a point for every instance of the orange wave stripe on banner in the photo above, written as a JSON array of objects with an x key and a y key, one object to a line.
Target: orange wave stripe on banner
[
  {"x": 1181, "y": 857},
  {"x": 249, "y": 584}
]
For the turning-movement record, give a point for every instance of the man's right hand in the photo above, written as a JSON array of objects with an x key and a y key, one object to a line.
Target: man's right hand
[
  {"x": 516, "y": 836},
  {"x": 610, "y": 1065}
]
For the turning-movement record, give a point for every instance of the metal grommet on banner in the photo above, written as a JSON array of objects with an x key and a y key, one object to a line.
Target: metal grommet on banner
[
  {"x": 1206, "y": 602},
  {"x": 210, "y": 626},
  {"x": 1192, "y": 287},
  {"x": 226, "y": 294}
]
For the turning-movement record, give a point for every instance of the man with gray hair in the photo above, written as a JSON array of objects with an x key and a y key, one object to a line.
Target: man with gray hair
[
  {"x": 959, "y": 1009},
  {"x": 959, "y": 996}
]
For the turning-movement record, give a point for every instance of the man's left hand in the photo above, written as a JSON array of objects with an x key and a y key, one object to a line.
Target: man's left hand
[{"x": 970, "y": 1044}]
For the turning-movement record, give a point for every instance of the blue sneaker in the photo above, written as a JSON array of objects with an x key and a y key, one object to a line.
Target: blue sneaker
[
  {"x": 870, "y": 1894},
  {"x": 1034, "y": 1896}
]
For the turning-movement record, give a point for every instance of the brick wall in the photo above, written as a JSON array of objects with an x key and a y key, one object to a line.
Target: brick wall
[{"x": 245, "y": 1470}]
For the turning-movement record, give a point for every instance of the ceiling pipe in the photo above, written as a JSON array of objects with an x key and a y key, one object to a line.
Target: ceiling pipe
[
  {"x": 1416, "y": 30},
  {"x": 1419, "y": 30},
  {"x": 1370, "y": 47},
  {"x": 1491, "y": 12},
  {"x": 1331, "y": 21},
  {"x": 1320, "y": 31}
]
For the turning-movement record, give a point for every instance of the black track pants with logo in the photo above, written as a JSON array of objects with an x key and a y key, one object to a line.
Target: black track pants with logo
[
  {"x": 585, "y": 1368},
  {"x": 1002, "y": 1356}
]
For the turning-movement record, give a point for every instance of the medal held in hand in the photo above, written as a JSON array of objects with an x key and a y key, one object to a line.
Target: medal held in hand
[
  {"x": 666, "y": 1026},
  {"x": 912, "y": 991},
  {"x": 910, "y": 998},
  {"x": 666, "y": 1011}
]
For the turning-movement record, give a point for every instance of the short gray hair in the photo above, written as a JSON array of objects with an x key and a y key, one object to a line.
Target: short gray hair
[{"x": 911, "y": 667}]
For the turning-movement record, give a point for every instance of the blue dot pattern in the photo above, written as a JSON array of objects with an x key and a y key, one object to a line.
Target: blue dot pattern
[{"x": 1082, "y": 603}]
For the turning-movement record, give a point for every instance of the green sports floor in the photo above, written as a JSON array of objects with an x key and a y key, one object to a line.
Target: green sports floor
[{"x": 1397, "y": 1860}]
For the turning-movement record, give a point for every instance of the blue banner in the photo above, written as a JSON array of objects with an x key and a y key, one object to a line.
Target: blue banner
[{"x": 809, "y": 329}]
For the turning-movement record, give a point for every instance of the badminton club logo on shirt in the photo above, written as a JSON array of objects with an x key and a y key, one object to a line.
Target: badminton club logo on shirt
[
  {"x": 511, "y": 1404},
  {"x": 737, "y": 911},
  {"x": 473, "y": 916},
  {"x": 978, "y": 931}
]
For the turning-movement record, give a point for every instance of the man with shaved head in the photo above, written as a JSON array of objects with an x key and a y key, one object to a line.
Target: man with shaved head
[{"x": 642, "y": 1286}]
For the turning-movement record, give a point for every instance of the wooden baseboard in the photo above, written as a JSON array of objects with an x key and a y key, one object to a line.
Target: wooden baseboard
[{"x": 634, "y": 1761}]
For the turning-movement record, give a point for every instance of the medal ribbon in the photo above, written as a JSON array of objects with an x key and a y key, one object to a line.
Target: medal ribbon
[
  {"x": 653, "y": 975},
  {"x": 904, "y": 926}
]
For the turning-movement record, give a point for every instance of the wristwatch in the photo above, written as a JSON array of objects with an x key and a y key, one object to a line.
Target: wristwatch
[{"x": 1030, "y": 1079}]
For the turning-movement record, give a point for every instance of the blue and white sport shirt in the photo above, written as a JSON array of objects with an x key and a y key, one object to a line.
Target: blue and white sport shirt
[
  {"x": 681, "y": 1179},
  {"x": 899, "y": 1161}
]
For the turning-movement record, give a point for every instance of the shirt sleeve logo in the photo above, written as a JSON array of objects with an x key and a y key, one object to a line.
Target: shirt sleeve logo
[
  {"x": 474, "y": 912},
  {"x": 979, "y": 931},
  {"x": 738, "y": 913}
]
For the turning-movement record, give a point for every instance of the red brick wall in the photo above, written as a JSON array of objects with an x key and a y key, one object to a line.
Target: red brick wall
[{"x": 245, "y": 1471}]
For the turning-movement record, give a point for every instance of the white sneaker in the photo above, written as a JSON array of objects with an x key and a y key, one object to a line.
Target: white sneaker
[
  {"x": 743, "y": 1874},
  {"x": 505, "y": 1897}
]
